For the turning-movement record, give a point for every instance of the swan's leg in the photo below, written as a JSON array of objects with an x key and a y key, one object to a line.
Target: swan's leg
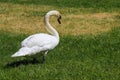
[
  {"x": 37, "y": 49},
  {"x": 44, "y": 56}
]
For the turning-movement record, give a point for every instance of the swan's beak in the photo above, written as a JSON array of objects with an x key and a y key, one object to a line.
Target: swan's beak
[{"x": 59, "y": 19}]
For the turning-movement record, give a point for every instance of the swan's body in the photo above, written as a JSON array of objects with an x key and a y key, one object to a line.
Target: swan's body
[{"x": 40, "y": 42}]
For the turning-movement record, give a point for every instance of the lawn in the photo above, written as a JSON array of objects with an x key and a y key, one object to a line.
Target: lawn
[{"x": 89, "y": 46}]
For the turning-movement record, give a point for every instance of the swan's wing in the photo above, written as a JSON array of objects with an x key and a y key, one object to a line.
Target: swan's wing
[
  {"x": 36, "y": 43},
  {"x": 40, "y": 40}
]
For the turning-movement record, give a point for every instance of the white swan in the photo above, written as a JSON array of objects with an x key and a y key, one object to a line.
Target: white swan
[{"x": 40, "y": 42}]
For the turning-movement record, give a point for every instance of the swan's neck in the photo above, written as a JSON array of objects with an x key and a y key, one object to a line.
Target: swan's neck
[{"x": 49, "y": 27}]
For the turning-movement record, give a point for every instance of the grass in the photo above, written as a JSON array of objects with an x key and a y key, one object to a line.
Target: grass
[
  {"x": 29, "y": 19},
  {"x": 89, "y": 39},
  {"x": 76, "y": 57},
  {"x": 73, "y": 3}
]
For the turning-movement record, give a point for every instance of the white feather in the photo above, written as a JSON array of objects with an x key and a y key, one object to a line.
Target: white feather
[{"x": 40, "y": 42}]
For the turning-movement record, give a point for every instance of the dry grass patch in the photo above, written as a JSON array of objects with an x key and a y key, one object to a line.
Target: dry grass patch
[
  {"x": 90, "y": 23},
  {"x": 28, "y": 19}
]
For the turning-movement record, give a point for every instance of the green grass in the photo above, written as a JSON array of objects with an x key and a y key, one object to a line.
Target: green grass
[
  {"x": 93, "y": 6},
  {"x": 76, "y": 58},
  {"x": 73, "y": 3},
  {"x": 85, "y": 5}
]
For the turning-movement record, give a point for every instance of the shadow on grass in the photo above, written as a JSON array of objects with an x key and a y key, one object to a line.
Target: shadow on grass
[{"x": 22, "y": 62}]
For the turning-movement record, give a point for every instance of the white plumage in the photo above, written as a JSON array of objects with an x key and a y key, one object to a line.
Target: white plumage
[{"x": 40, "y": 42}]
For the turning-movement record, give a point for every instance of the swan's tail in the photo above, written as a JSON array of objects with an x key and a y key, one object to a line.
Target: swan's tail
[{"x": 22, "y": 52}]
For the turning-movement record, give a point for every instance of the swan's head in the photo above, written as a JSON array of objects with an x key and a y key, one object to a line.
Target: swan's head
[{"x": 55, "y": 12}]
